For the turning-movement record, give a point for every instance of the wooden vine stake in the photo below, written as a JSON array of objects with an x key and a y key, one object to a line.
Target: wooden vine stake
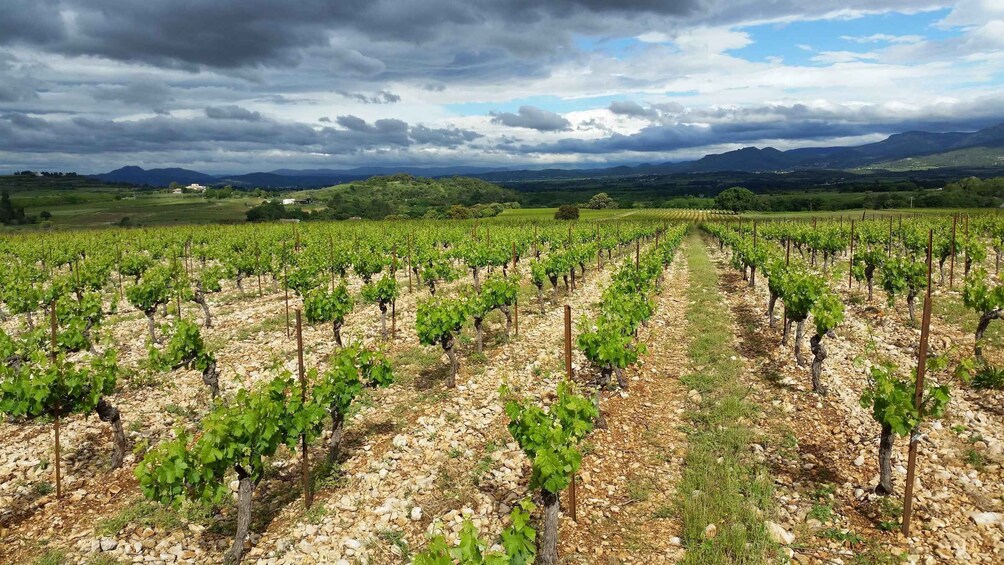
[
  {"x": 850, "y": 258},
  {"x": 285, "y": 286},
  {"x": 52, "y": 357},
  {"x": 515, "y": 304},
  {"x": 569, "y": 375},
  {"x": 918, "y": 395},
  {"x": 409, "y": 263},
  {"x": 393, "y": 303},
  {"x": 308, "y": 497},
  {"x": 951, "y": 266}
]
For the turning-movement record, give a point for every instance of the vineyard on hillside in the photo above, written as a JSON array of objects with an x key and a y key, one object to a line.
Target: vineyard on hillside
[{"x": 640, "y": 386}]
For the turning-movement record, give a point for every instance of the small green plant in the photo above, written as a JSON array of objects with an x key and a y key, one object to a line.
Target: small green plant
[
  {"x": 890, "y": 514},
  {"x": 821, "y": 512},
  {"x": 847, "y": 537},
  {"x": 664, "y": 512},
  {"x": 396, "y": 538},
  {"x": 315, "y": 513},
  {"x": 974, "y": 459},
  {"x": 517, "y": 541},
  {"x": 989, "y": 377},
  {"x": 52, "y": 557},
  {"x": 43, "y": 488}
]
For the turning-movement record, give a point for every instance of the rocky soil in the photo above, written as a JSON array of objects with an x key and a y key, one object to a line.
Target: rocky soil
[{"x": 826, "y": 456}]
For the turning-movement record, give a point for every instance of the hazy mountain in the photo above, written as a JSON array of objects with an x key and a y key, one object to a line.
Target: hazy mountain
[
  {"x": 156, "y": 177},
  {"x": 894, "y": 149}
]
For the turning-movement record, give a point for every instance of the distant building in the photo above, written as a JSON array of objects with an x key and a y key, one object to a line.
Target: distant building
[
  {"x": 196, "y": 187},
  {"x": 288, "y": 201}
]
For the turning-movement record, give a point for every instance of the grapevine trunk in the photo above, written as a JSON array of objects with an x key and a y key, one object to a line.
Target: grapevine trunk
[
  {"x": 110, "y": 414},
  {"x": 211, "y": 377},
  {"x": 508, "y": 318},
  {"x": 799, "y": 334},
  {"x": 547, "y": 543},
  {"x": 200, "y": 299},
  {"x": 245, "y": 490},
  {"x": 451, "y": 380},
  {"x": 337, "y": 330},
  {"x": 151, "y": 325},
  {"x": 818, "y": 356},
  {"x": 620, "y": 377},
  {"x": 338, "y": 425},
  {"x": 383, "y": 320},
  {"x": 478, "y": 329},
  {"x": 981, "y": 329},
  {"x": 885, "y": 461},
  {"x": 770, "y": 308}
]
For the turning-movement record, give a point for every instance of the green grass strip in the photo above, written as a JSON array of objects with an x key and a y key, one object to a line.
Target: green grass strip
[{"x": 722, "y": 483}]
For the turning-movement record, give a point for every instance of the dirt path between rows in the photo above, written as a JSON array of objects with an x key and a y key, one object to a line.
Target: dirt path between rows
[{"x": 627, "y": 488}]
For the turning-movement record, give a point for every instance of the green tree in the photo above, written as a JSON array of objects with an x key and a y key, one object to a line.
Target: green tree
[
  {"x": 567, "y": 212},
  {"x": 601, "y": 201},
  {"x": 737, "y": 199}
]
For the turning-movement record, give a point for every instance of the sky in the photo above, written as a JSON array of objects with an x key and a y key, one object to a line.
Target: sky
[{"x": 232, "y": 86}]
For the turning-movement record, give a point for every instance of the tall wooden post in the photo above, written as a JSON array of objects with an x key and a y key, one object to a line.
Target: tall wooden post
[
  {"x": 308, "y": 497},
  {"x": 285, "y": 286},
  {"x": 951, "y": 266},
  {"x": 568, "y": 374},
  {"x": 53, "y": 327},
  {"x": 850, "y": 258},
  {"x": 918, "y": 394},
  {"x": 393, "y": 303},
  {"x": 888, "y": 247}
]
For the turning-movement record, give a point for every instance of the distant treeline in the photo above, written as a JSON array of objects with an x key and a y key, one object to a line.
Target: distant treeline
[
  {"x": 400, "y": 197},
  {"x": 829, "y": 194},
  {"x": 43, "y": 173}
]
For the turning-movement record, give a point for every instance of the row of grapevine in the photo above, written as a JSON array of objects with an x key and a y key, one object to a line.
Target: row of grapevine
[{"x": 806, "y": 292}]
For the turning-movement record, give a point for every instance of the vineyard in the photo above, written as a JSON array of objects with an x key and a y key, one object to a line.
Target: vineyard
[{"x": 639, "y": 386}]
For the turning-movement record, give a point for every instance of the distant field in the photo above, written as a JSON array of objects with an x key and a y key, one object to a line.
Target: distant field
[{"x": 143, "y": 209}]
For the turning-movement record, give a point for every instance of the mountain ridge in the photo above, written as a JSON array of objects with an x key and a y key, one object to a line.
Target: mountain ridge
[{"x": 894, "y": 149}]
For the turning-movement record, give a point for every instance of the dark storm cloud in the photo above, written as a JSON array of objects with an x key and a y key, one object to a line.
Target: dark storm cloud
[
  {"x": 233, "y": 113},
  {"x": 382, "y": 97},
  {"x": 442, "y": 137},
  {"x": 31, "y": 134},
  {"x": 634, "y": 109},
  {"x": 532, "y": 117},
  {"x": 16, "y": 90},
  {"x": 151, "y": 94},
  {"x": 30, "y": 21},
  {"x": 232, "y": 34}
]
